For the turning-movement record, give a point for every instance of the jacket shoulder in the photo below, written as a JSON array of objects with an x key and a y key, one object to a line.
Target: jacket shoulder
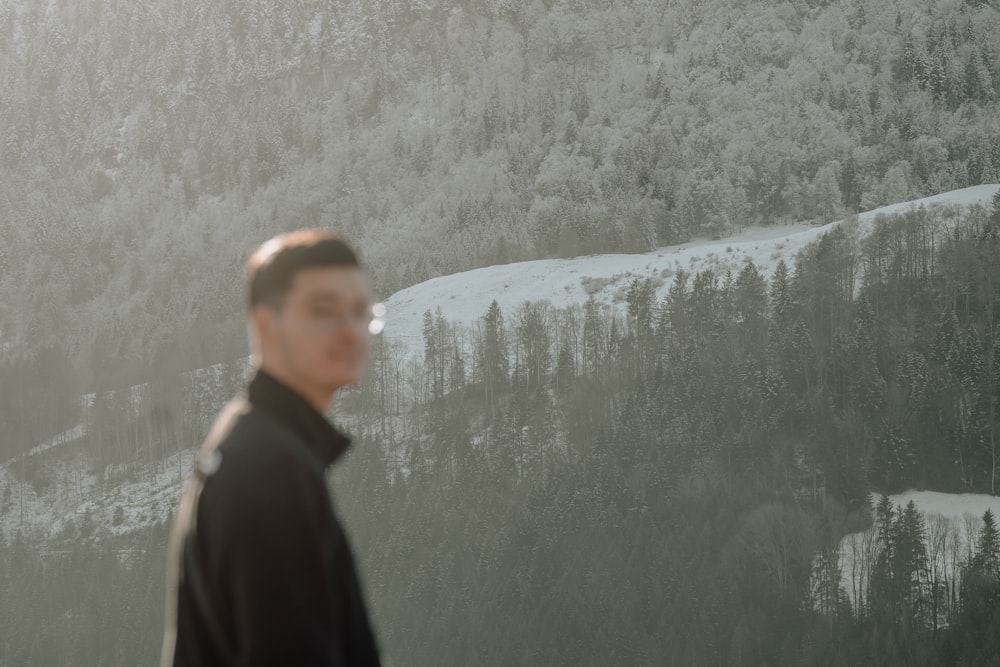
[{"x": 246, "y": 443}]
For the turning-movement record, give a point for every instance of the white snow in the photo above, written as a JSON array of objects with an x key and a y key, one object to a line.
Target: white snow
[
  {"x": 71, "y": 495},
  {"x": 952, "y": 521},
  {"x": 464, "y": 297},
  {"x": 70, "y": 435},
  {"x": 74, "y": 497},
  {"x": 949, "y": 505}
]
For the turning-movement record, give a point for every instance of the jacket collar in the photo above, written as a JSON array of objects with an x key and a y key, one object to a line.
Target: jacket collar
[{"x": 291, "y": 409}]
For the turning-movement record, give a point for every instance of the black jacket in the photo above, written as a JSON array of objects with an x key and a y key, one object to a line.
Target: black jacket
[{"x": 260, "y": 570}]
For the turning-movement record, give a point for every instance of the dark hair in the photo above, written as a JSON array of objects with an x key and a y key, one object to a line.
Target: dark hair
[{"x": 272, "y": 266}]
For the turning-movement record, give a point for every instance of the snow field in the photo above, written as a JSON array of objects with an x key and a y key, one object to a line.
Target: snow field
[
  {"x": 952, "y": 522},
  {"x": 464, "y": 297}
]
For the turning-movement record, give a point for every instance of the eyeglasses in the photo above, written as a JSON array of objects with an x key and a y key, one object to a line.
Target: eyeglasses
[
  {"x": 377, "y": 322},
  {"x": 322, "y": 318}
]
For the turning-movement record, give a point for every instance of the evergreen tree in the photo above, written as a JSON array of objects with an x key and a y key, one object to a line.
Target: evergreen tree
[
  {"x": 594, "y": 345},
  {"x": 973, "y": 632},
  {"x": 750, "y": 301},
  {"x": 534, "y": 344},
  {"x": 492, "y": 361},
  {"x": 673, "y": 320},
  {"x": 780, "y": 298},
  {"x": 911, "y": 566},
  {"x": 986, "y": 560},
  {"x": 640, "y": 299}
]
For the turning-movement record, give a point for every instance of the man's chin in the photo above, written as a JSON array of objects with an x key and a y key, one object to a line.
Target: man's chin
[{"x": 335, "y": 381}]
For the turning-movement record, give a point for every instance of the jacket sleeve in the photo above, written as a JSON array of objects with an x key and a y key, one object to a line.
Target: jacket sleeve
[{"x": 279, "y": 557}]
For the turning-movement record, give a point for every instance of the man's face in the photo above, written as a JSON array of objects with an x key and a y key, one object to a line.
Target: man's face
[{"x": 319, "y": 335}]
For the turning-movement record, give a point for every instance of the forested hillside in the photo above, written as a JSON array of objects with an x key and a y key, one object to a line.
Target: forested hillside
[
  {"x": 667, "y": 485},
  {"x": 146, "y": 149}
]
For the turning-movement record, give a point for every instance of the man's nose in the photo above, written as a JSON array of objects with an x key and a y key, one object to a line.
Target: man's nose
[{"x": 351, "y": 333}]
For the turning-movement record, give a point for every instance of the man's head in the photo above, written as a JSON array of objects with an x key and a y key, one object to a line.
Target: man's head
[{"x": 309, "y": 310}]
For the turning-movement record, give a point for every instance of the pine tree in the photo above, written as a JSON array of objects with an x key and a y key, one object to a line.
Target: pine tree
[
  {"x": 593, "y": 336},
  {"x": 432, "y": 354},
  {"x": 780, "y": 297},
  {"x": 492, "y": 360},
  {"x": 640, "y": 298},
  {"x": 911, "y": 563},
  {"x": 673, "y": 321},
  {"x": 704, "y": 299},
  {"x": 987, "y": 557},
  {"x": 973, "y": 632},
  {"x": 533, "y": 341},
  {"x": 899, "y": 586},
  {"x": 882, "y": 584},
  {"x": 750, "y": 301}
]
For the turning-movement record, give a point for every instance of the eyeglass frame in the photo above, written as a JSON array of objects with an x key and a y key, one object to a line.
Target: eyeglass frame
[{"x": 374, "y": 321}]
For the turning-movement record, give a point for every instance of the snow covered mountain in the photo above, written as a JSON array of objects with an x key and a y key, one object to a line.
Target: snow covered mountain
[
  {"x": 464, "y": 297},
  {"x": 71, "y": 500}
]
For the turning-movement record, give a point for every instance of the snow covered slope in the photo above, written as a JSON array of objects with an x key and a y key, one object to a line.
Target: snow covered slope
[
  {"x": 50, "y": 491},
  {"x": 73, "y": 499},
  {"x": 464, "y": 297},
  {"x": 73, "y": 503},
  {"x": 952, "y": 520}
]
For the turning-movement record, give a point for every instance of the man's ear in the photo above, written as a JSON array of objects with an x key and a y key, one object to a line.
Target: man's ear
[{"x": 260, "y": 324}]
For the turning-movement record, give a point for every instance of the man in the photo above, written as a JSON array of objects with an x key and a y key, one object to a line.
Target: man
[{"x": 261, "y": 572}]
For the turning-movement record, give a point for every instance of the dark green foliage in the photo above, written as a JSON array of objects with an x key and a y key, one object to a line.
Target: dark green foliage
[
  {"x": 84, "y": 602},
  {"x": 712, "y": 445},
  {"x": 973, "y": 639},
  {"x": 900, "y": 580}
]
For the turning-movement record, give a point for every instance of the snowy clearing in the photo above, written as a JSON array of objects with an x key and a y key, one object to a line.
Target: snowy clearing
[
  {"x": 952, "y": 521},
  {"x": 75, "y": 504},
  {"x": 464, "y": 297}
]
